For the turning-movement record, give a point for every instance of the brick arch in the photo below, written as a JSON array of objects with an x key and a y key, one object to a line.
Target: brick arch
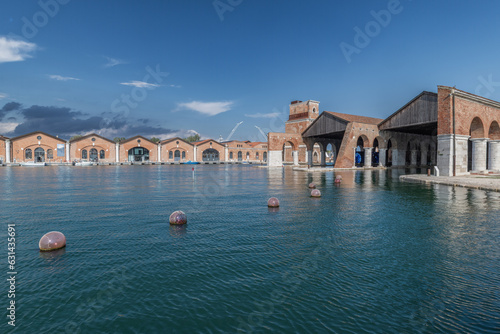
[
  {"x": 380, "y": 141},
  {"x": 366, "y": 141},
  {"x": 494, "y": 131},
  {"x": 476, "y": 129}
]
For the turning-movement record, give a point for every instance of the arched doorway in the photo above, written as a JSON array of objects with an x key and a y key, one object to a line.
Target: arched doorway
[
  {"x": 475, "y": 159},
  {"x": 408, "y": 155},
  {"x": 84, "y": 154},
  {"x": 39, "y": 154},
  {"x": 287, "y": 155},
  {"x": 248, "y": 156},
  {"x": 359, "y": 156},
  {"x": 138, "y": 154},
  {"x": 375, "y": 153},
  {"x": 177, "y": 155},
  {"x": 330, "y": 154},
  {"x": 388, "y": 156},
  {"x": 210, "y": 154},
  {"x": 240, "y": 156},
  {"x": 93, "y": 155},
  {"x": 264, "y": 156}
]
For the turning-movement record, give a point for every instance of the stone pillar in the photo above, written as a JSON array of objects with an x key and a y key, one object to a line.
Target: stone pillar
[
  {"x": 395, "y": 157},
  {"x": 7, "y": 151},
  {"x": 159, "y": 152},
  {"x": 195, "y": 153},
  {"x": 275, "y": 159},
  {"x": 382, "y": 153},
  {"x": 413, "y": 157},
  {"x": 67, "y": 146},
  {"x": 423, "y": 159},
  {"x": 117, "y": 152},
  {"x": 479, "y": 154},
  {"x": 323, "y": 158},
  {"x": 309, "y": 158},
  {"x": 226, "y": 153},
  {"x": 295, "y": 155},
  {"x": 494, "y": 155},
  {"x": 445, "y": 154},
  {"x": 368, "y": 157}
]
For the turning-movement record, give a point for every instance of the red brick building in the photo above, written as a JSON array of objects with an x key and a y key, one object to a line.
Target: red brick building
[
  {"x": 138, "y": 149},
  {"x": 177, "y": 150},
  {"x": 38, "y": 147},
  {"x": 3, "y": 145},
  {"x": 210, "y": 150},
  {"x": 239, "y": 151},
  {"x": 93, "y": 147}
]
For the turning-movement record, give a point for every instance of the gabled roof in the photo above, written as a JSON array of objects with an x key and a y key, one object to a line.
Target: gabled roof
[
  {"x": 137, "y": 137},
  {"x": 91, "y": 135},
  {"x": 3, "y": 138},
  {"x": 408, "y": 104},
  {"x": 257, "y": 143},
  {"x": 166, "y": 141},
  {"x": 356, "y": 118},
  {"x": 37, "y": 132},
  {"x": 198, "y": 143}
]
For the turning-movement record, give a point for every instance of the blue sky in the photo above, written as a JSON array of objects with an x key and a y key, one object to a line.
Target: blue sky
[{"x": 167, "y": 68}]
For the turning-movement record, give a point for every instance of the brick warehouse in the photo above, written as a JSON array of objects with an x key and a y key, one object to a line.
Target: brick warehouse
[
  {"x": 40, "y": 147},
  {"x": 454, "y": 130}
]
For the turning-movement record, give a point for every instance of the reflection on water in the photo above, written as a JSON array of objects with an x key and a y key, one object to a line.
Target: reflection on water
[{"x": 371, "y": 255}]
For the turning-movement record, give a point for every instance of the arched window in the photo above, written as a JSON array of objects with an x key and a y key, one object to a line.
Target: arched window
[
  {"x": 50, "y": 154},
  {"x": 183, "y": 155},
  {"x": 84, "y": 154},
  {"x": 138, "y": 154},
  {"x": 240, "y": 156},
  {"x": 102, "y": 154},
  {"x": 170, "y": 155},
  {"x": 93, "y": 154},
  {"x": 248, "y": 155},
  {"x": 231, "y": 155},
  {"x": 210, "y": 155},
  {"x": 257, "y": 155},
  {"x": 28, "y": 153},
  {"x": 265, "y": 156}
]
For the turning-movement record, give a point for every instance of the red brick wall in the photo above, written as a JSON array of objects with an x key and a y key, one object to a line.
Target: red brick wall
[
  {"x": 109, "y": 148},
  {"x": 2, "y": 150},
  {"x": 465, "y": 112},
  {"x": 20, "y": 145},
  {"x": 206, "y": 145}
]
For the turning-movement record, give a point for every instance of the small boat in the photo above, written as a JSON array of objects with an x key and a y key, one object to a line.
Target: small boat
[
  {"x": 191, "y": 163},
  {"x": 34, "y": 164},
  {"x": 82, "y": 163}
]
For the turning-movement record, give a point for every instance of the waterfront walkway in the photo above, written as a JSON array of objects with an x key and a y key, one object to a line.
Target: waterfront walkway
[{"x": 483, "y": 182}]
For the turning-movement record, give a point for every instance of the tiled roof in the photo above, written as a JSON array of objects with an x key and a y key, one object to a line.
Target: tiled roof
[
  {"x": 355, "y": 118},
  {"x": 91, "y": 135},
  {"x": 39, "y": 132}
]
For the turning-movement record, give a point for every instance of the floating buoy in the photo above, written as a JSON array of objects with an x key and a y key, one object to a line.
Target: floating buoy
[
  {"x": 315, "y": 193},
  {"x": 273, "y": 202},
  {"x": 338, "y": 180},
  {"x": 178, "y": 218},
  {"x": 312, "y": 185},
  {"x": 52, "y": 241}
]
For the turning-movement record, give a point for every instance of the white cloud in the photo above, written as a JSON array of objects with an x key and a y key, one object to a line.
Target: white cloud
[
  {"x": 140, "y": 84},
  {"x": 8, "y": 127},
  {"x": 113, "y": 62},
  {"x": 3, "y": 96},
  {"x": 174, "y": 86},
  {"x": 207, "y": 108},
  {"x": 260, "y": 115},
  {"x": 61, "y": 78},
  {"x": 15, "y": 50}
]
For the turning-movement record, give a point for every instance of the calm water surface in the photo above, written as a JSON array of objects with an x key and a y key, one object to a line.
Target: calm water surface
[{"x": 370, "y": 256}]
